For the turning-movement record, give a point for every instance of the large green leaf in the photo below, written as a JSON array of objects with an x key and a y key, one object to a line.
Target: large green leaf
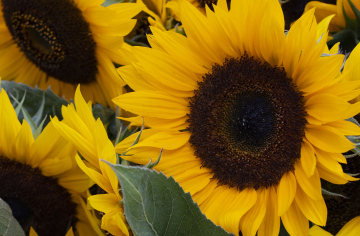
[
  {"x": 157, "y": 205},
  {"x": 8, "y": 224},
  {"x": 37, "y": 103}
]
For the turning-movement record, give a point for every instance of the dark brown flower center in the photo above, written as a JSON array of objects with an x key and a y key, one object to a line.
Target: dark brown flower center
[
  {"x": 247, "y": 123},
  {"x": 54, "y": 36},
  {"x": 36, "y": 201}
]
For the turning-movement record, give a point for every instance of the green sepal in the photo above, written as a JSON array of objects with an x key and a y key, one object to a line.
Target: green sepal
[
  {"x": 349, "y": 23},
  {"x": 347, "y": 39},
  {"x": 9, "y": 226},
  {"x": 357, "y": 15},
  {"x": 151, "y": 164},
  {"x": 157, "y": 205}
]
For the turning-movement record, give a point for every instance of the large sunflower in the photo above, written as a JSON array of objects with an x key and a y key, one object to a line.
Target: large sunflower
[
  {"x": 39, "y": 178},
  {"x": 92, "y": 142},
  {"x": 63, "y": 43},
  {"x": 249, "y": 119}
]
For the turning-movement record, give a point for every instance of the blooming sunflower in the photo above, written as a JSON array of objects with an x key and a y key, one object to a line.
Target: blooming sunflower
[
  {"x": 91, "y": 140},
  {"x": 249, "y": 119},
  {"x": 39, "y": 178},
  {"x": 63, "y": 43},
  {"x": 352, "y": 228}
]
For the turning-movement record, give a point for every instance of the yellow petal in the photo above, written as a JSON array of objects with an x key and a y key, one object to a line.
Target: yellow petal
[
  {"x": 166, "y": 140},
  {"x": 23, "y": 142},
  {"x": 95, "y": 176},
  {"x": 252, "y": 219},
  {"x": 55, "y": 166},
  {"x": 318, "y": 231},
  {"x": 243, "y": 201},
  {"x": 272, "y": 31},
  {"x": 84, "y": 110},
  {"x": 314, "y": 210},
  {"x": 295, "y": 222},
  {"x": 104, "y": 202},
  {"x": 345, "y": 127},
  {"x": 85, "y": 148},
  {"x": 326, "y": 107},
  {"x": 333, "y": 177},
  {"x": 310, "y": 185},
  {"x": 327, "y": 138},
  {"x": 114, "y": 223},
  {"x": 271, "y": 223},
  {"x": 286, "y": 192},
  {"x": 308, "y": 160},
  {"x": 352, "y": 228},
  {"x": 327, "y": 159},
  {"x": 154, "y": 104}
]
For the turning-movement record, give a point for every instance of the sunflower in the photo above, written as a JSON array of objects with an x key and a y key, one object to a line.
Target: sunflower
[
  {"x": 352, "y": 228},
  {"x": 92, "y": 142},
  {"x": 249, "y": 119},
  {"x": 342, "y": 10},
  {"x": 63, "y": 43},
  {"x": 39, "y": 178}
]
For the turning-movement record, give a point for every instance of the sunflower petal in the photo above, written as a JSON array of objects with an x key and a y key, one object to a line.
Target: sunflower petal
[
  {"x": 286, "y": 192},
  {"x": 295, "y": 222},
  {"x": 314, "y": 210}
]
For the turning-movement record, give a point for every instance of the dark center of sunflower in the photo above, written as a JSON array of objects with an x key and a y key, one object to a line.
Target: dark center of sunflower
[
  {"x": 247, "y": 123},
  {"x": 36, "y": 201},
  {"x": 54, "y": 36}
]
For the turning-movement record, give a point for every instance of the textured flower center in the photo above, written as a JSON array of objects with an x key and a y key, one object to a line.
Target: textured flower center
[
  {"x": 36, "y": 201},
  {"x": 247, "y": 123},
  {"x": 54, "y": 36}
]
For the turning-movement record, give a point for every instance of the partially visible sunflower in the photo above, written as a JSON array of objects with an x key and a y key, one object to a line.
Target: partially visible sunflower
[
  {"x": 249, "y": 119},
  {"x": 352, "y": 228},
  {"x": 341, "y": 10},
  {"x": 63, "y": 43},
  {"x": 39, "y": 178},
  {"x": 92, "y": 142},
  {"x": 344, "y": 27}
]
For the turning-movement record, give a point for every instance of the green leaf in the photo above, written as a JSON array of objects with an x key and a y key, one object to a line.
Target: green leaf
[
  {"x": 8, "y": 224},
  {"x": 38, "y": 103},
  {"x": 157, "y": 205}
]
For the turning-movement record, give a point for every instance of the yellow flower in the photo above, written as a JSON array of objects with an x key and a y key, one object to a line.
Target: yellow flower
[
  {"x": 249, "y": 119},
  {"x": 92, "y": 142},
  {"x": 39, "y": 178},
  {"x": 324, "y": 10},
  {"x": 352, "y": 228},
  {"x": 63, "y": 43}
]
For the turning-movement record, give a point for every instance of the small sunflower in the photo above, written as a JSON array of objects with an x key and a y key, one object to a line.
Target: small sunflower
[
  {"x": 249, "y": 119},
  {"x": 63, "y": 43},
  {"x": 39, "y": 178},
  {"x": 92, "y": 142},
  {"x": 352, "y": 228}
]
